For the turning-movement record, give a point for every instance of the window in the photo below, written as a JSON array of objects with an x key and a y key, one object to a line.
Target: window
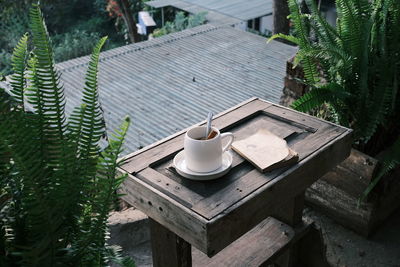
[
  {"x": 250, "y": 24},
  {"x": 257, "y": 24},
  {"x": 254, "y": 24}
]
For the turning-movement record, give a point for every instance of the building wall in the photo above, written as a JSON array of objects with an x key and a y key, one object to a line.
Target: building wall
[
  {"x": 266, "y": 24},
  {"x": 241, "y": 26}
]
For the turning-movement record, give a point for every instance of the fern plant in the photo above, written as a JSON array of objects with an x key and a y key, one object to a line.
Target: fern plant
[
  {"x": 57, "y": 184},
  {"x": 354, "y": 67}
]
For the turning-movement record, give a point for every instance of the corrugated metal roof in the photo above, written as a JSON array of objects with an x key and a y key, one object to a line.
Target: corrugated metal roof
[
  {"x": 170, "y": 83},
  {"x": 242, "y": 10},
  {"x": 160, "y": 3},
  {"x": 213, "y": 17}
]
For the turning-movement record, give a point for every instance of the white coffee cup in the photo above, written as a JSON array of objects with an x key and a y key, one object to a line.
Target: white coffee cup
[{"x": 204, "y": 155}]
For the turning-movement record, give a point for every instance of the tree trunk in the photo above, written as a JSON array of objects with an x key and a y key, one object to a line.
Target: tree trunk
[
  {"x": 129, "y": 21},
  {"x": 281, "y": 22}
]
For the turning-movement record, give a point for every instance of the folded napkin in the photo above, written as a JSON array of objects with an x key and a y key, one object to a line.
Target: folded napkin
[{"x": 265, "y": 151}]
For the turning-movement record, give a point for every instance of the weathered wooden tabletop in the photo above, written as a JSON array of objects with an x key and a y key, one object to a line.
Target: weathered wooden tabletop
[{"x": 211, "y": 215}]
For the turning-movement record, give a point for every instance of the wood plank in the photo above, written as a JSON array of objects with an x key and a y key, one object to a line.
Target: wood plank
[
  {"x": 167, "y": 248},
  {"x": 346, "y": 180},
  {"x": 245, "y": 214},
  {"x": 361, "y": 165},
  {"x": 166, "y": 211},
  {"x": 164, "y": 150},
  {"x": 312, "y": 249},
  {"x": 341, "y": 206},
  {"x": 306, "y": 145},
  {"x": 233, "y": 192},
  {"x": 262, "y": 121},
  {"x": 192, "y": 192},
  {"x": 173, "y": 189},
  {"x": 300, "y": 118},
  {"x": 291, "y": 213},
  {"x": 263, "y": 243}
]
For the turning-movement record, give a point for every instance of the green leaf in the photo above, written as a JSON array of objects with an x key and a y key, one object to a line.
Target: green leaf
[
  {"x": 319, "y": 95},
  {"x": 18, "y": 61},
  {"x": 390, "y": 161},
  {"x": 284, "y": 36}
]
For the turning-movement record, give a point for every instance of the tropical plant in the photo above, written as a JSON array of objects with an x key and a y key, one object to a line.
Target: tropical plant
[
  {"x": 181, "y": 23},
  {"x": 57, "y": 185},
  {"x": 354, "y": 68}
]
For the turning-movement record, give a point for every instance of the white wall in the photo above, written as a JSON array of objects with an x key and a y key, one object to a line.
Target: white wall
[
  {"x": 241, "y": 26},
  {"x": 266, "y": 24}
]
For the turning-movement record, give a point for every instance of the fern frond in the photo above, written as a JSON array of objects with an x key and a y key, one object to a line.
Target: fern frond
[
  {"x": 379, "y": 106},
  {"x": 362, "y": 59},
  {"x": 326, "y": 93},
  {"x": 29, "y": 170},
  {"x": 310, "y": 69},
  {"x": 349, "y": 26},
  {"x": 113, "y": 254},
  {"x": 289, "y": 38},
  {"x": 86, "y": 124},
  {"x": 18, "y": 61},
  {"x": 300, "y": 25},
  {"x": 390, "y": 161},
  {"x": 323, "y": 29},
  {"x": 106, "y": 183},
  {"x": 52, "y": 93},
  {"x": 92, "y": 123}
]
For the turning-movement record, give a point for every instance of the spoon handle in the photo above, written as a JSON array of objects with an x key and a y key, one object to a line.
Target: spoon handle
[{"x": 209, "y": 119}]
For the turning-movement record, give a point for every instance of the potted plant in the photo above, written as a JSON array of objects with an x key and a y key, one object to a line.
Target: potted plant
[
  {"x": 352, "y": 69},
  {"x": 57, "y": 184}
]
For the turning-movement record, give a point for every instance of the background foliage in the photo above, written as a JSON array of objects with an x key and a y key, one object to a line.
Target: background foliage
[
  {"x": 72, "y": 25},
  {"x": 180, "y": 23},
  {"x": 57, "y": 185}
]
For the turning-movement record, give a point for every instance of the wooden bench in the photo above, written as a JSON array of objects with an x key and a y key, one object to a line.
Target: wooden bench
[
  {"x": 266, "y": 245},
  {"x": 261, "y": 245}
]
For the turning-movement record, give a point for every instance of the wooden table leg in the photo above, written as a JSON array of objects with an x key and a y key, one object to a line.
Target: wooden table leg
[
  {"x": 312, "y": 250},
  {"x": 168, "y": 249},
  {"x": 291, "y": 213}
]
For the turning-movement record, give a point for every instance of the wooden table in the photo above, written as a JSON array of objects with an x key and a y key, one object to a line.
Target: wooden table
[{"x": 211, "y": 215}]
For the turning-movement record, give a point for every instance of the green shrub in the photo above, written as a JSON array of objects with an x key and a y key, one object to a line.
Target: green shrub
[
  {"x": 73, "y": 44},
  {"x": 71, "y": 26},
  {"x": 360, "y": 64},
  {"x": 57, "y": 185},
  {"x": 181, "y": 23},
  {"x": 11, "y": 29},
  {"x": 5, "y": 62}
]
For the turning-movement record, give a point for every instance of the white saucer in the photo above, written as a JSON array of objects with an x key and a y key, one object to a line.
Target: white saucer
[{"x": 181, "y": 168}]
